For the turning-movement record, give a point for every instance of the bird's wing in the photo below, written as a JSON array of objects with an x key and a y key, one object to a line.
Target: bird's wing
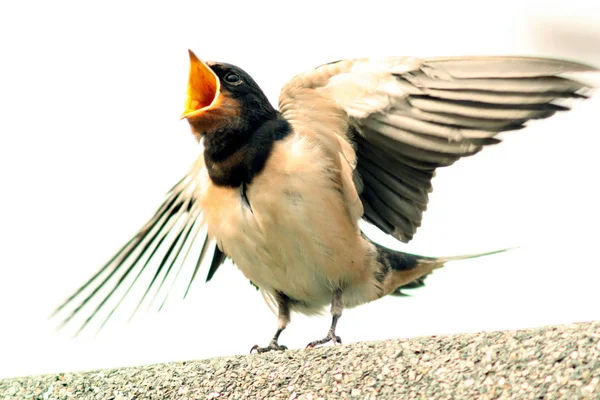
[
  {"x": 391, "y": 122},
  {"x": 159, "y": 249}
]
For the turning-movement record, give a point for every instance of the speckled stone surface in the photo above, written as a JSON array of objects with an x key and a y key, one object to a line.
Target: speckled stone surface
[{"x": 544, "y": 363}]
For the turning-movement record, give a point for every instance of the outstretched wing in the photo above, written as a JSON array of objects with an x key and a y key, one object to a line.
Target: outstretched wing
[
  {"x": 393, "y": 121},
  {"x": 159, "y": 249}
]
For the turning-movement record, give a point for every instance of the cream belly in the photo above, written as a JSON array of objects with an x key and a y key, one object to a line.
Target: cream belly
[{"x": 296, "y": 236}]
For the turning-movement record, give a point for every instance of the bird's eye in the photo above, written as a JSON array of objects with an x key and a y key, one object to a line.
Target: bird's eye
[{"x": 233, "y": 78}]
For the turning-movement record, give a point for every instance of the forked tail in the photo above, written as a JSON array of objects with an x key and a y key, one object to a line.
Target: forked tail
[
  {"x": 468, "y": 256},
  {"x": 400, "y": 270}
]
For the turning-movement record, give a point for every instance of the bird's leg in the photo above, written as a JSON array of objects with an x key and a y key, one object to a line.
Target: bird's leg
[
  {"x": 283, "y": 303},
  {"x": 337, "y": 306}
]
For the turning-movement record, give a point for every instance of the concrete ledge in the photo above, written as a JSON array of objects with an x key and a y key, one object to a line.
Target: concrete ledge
[{"x": 558, "y": 361}]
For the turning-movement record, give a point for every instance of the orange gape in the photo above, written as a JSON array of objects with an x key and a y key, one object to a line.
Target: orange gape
[{"x": 203, "y": 87}]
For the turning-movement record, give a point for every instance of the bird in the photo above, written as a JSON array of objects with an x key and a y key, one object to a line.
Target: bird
[{"x": 282, "y": 191}]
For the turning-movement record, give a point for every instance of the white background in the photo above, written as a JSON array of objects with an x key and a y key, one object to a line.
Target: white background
[{"x": 90, "y": 141}]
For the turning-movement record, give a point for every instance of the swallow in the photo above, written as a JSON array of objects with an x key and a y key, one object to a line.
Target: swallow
[{"x": 281, "y": 192}]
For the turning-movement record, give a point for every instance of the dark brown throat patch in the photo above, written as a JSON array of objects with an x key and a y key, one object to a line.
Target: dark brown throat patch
[{"x": 236, "y": 156}]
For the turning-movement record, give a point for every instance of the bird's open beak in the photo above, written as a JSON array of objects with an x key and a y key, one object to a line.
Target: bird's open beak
[{"x": 203, "y": 88}]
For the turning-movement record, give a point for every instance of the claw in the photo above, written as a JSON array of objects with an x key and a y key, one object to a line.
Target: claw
[
  {"x": 331, "y": 337},
  {"x": 273, "y": 346}
]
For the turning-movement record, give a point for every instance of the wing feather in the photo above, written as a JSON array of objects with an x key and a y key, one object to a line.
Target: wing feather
[
  {"x": 159, "y": 250},
  {"x": 404, "y": 117}
]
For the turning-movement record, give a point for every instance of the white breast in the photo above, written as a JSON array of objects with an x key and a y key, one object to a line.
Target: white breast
[{"x": 297, "y": 237}]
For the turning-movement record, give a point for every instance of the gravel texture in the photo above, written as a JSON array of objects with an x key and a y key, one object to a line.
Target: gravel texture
[{"x": 544, "y": 363}]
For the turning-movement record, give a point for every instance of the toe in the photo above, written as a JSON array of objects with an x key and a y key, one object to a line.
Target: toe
[{"x": 270, "y": 347}]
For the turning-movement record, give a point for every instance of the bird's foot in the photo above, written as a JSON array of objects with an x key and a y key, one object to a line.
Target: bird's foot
[
  {"x": 273, "y": 346},
  {"x": 331, "y": 337}
]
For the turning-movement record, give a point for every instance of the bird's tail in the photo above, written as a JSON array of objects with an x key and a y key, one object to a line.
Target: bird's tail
[{"x": 400, "y": 270}]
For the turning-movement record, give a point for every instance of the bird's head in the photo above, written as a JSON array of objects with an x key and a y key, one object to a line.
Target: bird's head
[{"x": 222, "y": 97}]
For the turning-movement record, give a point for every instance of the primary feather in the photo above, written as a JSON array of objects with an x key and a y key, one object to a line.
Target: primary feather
[{"x": 406, "y": 117}]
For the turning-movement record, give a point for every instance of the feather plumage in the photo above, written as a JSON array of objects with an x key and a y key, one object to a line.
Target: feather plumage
[{"x": 378, "y": 127}]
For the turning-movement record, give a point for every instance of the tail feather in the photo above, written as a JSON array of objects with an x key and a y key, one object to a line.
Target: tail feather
[
  {"x": 400, "y": 270},
  {"x": 468, "y": 256}
]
